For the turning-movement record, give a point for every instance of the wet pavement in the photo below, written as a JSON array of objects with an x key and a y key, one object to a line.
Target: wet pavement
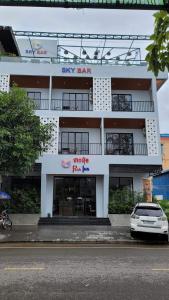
[
  {"x": 73, "y": 234},
  {"x": 60, "y": 233}
]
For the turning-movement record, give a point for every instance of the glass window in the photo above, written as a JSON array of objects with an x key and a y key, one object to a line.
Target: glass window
[
  {"x": 34, "y": 95},
  {"x": 149, "y": 212},
  {"x": 76, "y": 142},
  {"x": 116, "y": 183},
  {"x": 75, "y": 101},
  {"x": 121, "y": 102},
  {"x": 119, "y": 143}
]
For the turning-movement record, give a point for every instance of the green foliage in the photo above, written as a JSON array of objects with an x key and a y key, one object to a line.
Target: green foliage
[
  {"x": 158, "y": 51},
  {"x": 123, "y": 201},
  {"x": 6, "y": 54},
  {"x": 22, "y": 137},
  {"x": 25, "y": 201},
  {"x": 165, "y": 206}
]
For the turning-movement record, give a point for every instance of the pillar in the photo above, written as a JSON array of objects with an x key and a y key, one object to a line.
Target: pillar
[
  {"x": 50, "y": 92},
  {"x": 99, "y": 196},
  {"x": 105, "y": 195},
  {"x": 46, "y": 195}
]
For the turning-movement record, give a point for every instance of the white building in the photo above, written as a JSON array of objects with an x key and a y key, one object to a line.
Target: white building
[{"x": 106, "y": 132}]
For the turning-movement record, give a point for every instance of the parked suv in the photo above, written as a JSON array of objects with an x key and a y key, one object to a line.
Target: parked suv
[{"x": 149, "y": 218}]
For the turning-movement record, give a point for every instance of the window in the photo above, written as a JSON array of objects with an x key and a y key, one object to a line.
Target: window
[
  {"x": 75, "y": 142},
  {"x": 34, "y": 95},
  {"x": 119, "y": 143},
  {"x": 121, "y": 102},
  {"x": 116, "y": 183},
  {"x": 75, "y": 101},
  {"x": 149, "y": 212}
]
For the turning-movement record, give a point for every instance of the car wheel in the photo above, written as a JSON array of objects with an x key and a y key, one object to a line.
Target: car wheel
[
  {"x": 133, "y": 234},
  {"x": 165, "y": 238}
]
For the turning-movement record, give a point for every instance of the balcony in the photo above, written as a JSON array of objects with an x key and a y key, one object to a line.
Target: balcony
[
  {"x": 80, "y": 148},
  {"x": 74, "y": 105},
  {"x": 63, "y": 105},
  {"x": 96, "y": 149},
  {"x": 126, "y": 149},
  {"x": 133, "y": 106}
]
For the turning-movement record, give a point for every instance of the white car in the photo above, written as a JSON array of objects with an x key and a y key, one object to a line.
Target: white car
[{"x": 148, "y": 218}]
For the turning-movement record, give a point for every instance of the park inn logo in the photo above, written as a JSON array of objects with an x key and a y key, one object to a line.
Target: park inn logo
[{"x": 76, "y": 165}]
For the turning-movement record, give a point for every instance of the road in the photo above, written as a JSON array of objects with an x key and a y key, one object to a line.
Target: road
[{"x": 94, "y": 272}]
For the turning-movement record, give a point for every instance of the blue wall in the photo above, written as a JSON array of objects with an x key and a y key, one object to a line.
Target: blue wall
[{"x": 161, "y": 185}]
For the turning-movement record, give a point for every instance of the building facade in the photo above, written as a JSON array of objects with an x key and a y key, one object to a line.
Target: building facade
[
  {"x": 106, "y": 130},
  {"x": 165, "y": 150}
]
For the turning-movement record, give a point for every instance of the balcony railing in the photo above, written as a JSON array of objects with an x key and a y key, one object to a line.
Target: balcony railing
[
  {"x": 41, "y": 104},
  {"x": 86, "y": 105},
  {"x": 69, "y": 60},
  {"x": 74, "y": 105},
  {"x": 126, "y": 149},
  {"x": 63, "y": 105},
  {"x": 135, "y": 106},
  {"x": 80, "y": 148},
  {"x": 96, "y": 149}
]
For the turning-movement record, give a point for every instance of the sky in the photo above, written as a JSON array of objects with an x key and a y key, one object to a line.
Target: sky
[{"x": 88, "y": 21}]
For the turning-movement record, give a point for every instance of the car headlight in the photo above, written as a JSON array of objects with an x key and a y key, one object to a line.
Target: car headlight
[{"x": 134, "y": 216}]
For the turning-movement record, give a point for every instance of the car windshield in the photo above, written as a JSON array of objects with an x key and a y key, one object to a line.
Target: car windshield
[{"x": 148, "y": 211}]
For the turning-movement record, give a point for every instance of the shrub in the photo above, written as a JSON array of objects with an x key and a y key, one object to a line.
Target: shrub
[
  {"x": 23, "y": 201},
  {"x": 165, "y": 206},
  {"x": 122, "y": 201}
]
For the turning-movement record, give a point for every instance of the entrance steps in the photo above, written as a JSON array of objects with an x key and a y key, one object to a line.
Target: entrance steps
[{"x": 75, "y": 220}]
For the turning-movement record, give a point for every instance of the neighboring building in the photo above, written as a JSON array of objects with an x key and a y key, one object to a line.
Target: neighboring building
[
  {"x": 161, "y": 185},
  {"x": 165, "y": 150},
  {"x": 8, "y": 42},
  {"x": 161, "y": 181},
  {"x": 106, "y": 133}
]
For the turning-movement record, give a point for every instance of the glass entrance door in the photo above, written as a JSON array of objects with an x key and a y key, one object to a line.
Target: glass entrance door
[{"x": 74, "y": 196}]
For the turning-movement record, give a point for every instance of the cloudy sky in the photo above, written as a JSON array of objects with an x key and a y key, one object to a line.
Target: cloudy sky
[{"x": 88, "y": 21}]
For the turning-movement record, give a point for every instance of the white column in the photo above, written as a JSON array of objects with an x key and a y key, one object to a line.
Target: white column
[
  {"x": 50, "y": 91},
  {"x": 102, "y": 135},
  {"x": 46, "y": 195},
  {"x": 152, "y": 136},
  {"x": 105, "y": 195},
  {"x": 102, "y": 94},
  {"x": 4, "y": 82},
  {"x": 154, "y": 94},
  {"x": 99, "y": 196}
]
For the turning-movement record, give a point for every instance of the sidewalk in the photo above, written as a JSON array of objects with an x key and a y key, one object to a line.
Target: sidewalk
[{"x": 68, "y": 234}]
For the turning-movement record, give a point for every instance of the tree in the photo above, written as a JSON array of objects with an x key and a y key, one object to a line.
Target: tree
[
  {"x": 22, "y": 137},
  {"x": 158, "y": 51}
]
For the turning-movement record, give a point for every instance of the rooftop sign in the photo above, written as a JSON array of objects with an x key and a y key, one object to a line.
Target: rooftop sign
[
  {"x": 78, "y": 70},
  {"x": 121, "y": 4}
]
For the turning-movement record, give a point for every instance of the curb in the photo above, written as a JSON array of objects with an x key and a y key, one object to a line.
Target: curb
[{"x": 85, "y": 242}]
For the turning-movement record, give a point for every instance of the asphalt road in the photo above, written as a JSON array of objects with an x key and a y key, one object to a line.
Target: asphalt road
[{"x": 84, "y": 272}]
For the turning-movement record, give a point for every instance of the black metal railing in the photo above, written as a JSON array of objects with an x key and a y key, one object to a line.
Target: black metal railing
[
  {"x": 80, "y": 148},
  {"x": 135, "y": 106},
  {"x": 126, "y": 149},
  {"x": 63, "y": 105},
  {"x": 96, "y": 149},
  {"x": 73, "y": 105},
  {"x": 41, "y": 104}
]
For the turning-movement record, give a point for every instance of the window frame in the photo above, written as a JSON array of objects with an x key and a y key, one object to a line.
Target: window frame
[{"x": 119, "y": 186}]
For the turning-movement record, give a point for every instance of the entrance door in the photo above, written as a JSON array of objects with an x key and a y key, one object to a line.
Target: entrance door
[{"x": 74, "y": 196}]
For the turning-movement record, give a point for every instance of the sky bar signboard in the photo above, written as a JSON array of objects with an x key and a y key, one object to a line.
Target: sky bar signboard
[{"x": 116, "y": 4}]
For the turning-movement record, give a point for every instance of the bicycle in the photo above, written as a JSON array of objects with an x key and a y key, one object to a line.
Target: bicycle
[{"x": 5, "y": 220}]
